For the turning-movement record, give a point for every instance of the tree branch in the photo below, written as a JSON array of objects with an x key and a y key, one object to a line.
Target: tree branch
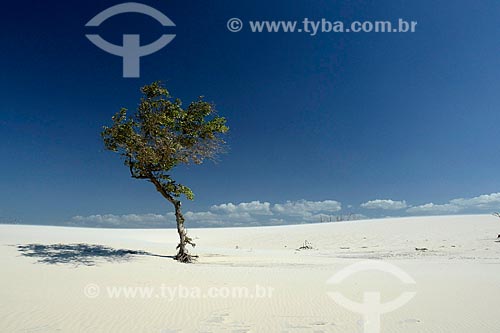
[
  {"x": 162, "y": 191},
  {"x": 132, "y": 173}
]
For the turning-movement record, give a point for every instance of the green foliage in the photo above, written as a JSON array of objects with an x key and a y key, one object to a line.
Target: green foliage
[{"x": 161, "y": 135}]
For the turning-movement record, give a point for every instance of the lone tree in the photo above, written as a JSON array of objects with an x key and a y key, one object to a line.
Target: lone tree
[{"x": 161, "y": 135}]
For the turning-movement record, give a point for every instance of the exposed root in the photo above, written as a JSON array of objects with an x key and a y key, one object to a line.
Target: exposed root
[
  {"x": 306, "y": 246},
  {"x": 185, "y": 257}
]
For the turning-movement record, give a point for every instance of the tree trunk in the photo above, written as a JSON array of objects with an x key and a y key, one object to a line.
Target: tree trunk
[{"x": 183, "y": 254}]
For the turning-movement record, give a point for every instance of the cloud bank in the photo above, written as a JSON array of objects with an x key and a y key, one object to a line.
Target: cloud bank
[
  {"x": 254, "y": 213},
  {"x": 257, "y": 213},
  {"x": 483, "y": 203}
]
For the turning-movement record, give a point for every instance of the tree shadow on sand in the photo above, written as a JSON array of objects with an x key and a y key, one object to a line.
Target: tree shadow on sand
[{"x": 79, "y": 254}]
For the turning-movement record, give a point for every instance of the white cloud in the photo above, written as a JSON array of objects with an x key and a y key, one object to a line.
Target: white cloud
[
  {"x": 483, "y": 201},
  {"x": 307, "y": 208},
  {"x": 124, "y": 221},
  {"x": 254, "y": 207},
  {"x": 274, "y": 221},
  {"x": 433, "y": 208},
  {"x": 384, "y": 204},
  {"x": 475, "y": 204}
]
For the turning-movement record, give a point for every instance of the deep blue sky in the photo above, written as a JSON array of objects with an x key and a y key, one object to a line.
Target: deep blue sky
[{"x": 345, "y": 117}]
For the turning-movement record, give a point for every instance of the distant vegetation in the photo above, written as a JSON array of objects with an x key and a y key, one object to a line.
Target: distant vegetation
[
  {"x": 8, "y": 220},
  {"x": 339, "y": 218}
]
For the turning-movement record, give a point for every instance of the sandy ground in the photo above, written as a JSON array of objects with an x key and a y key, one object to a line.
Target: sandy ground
[{"x": 76, "y": 280}]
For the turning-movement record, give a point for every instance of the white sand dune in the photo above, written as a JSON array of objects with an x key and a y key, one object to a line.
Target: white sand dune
[{"x": 66, "y": 288}]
